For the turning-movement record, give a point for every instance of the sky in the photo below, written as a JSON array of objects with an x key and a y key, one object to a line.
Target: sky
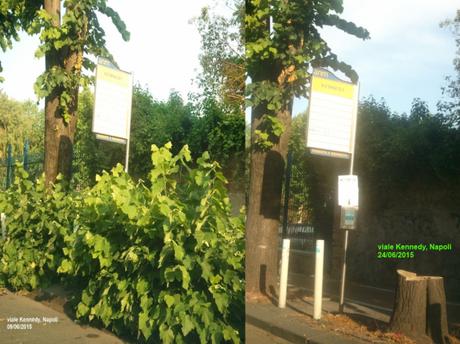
[
  {"x": 162, "y": 53},
  {"x": 408, "y": 55}
]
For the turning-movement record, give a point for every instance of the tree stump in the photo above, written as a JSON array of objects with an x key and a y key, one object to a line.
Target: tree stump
[
  {"x": 409, "y": 312},
  {"x": 436, "y": 311},
  {"x": 420, "y": 308}
]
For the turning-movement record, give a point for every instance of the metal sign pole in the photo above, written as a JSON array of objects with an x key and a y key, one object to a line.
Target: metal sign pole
[
  {"x": 3, "y": 224},
  {"x": 352, "y": 160},
  {"x": 9, "y": 165},
  {"x": 284, "y": 273},
  {"x": 287, "y": 186},
  {"x": 344, "y": 271},
  {"x": 127, "y": 155}
]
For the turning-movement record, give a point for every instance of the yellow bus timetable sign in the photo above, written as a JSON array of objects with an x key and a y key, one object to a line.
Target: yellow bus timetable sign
[
  {"x": 332, "y": 115},
  {"x": 112, "y": 108}
]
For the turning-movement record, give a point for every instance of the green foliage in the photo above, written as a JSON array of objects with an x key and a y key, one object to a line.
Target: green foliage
[
  {"x": 222, "y": 58},
  {"x": 278, "y": 58},
  {"x": 163, "y": 263},
  {"x": 222, "y": 134},
  {"x": 218, "y": 123},
  {"x": 19, "y": 121},
  {"x": 449, "y": 109},
  {"x": 208, "y": 128},
  {"x": 395, "y": 151},
  {"x": 37, "y": 222},
  {"x": 68, "y": 41},
  {"x": 394, "y": 154},
  {"x": 13, "y": 16}
]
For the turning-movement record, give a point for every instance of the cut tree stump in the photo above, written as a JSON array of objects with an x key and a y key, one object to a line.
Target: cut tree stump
[
  {"x": 420, "y": 308},
  {"x": 437, "y": 327}
]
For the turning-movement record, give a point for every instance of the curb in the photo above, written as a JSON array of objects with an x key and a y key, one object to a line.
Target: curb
[
  {"x": 314, "y": 336},
  {"x": 278, "y": 331}
]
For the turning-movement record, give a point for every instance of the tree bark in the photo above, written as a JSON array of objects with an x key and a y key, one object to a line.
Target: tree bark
[
  {"x": 409, "y": 313},
  {"x": 263, "y": 219},
  {"x": 59, "y": 135},
  {"x": 420, "y": 308},
  {"x": 437, "y": 327}
]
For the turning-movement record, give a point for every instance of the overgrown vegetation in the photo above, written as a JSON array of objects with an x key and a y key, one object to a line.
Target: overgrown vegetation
[
  {"x": 206, "y": 127},
  {"x": 394, "y": 152},
  {"x": 162, "y": 262}
]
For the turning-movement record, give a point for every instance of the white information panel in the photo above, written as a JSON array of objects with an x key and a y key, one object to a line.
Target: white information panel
[
  {"x": 348, "y": 191},
  {"x": 112, "y": 108},
  {"x": 332, "y": 115}
]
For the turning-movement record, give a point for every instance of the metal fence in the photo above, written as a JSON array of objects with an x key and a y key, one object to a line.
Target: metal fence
[
  {"x": 302, "y": 236},
  {"x": 32, "y": 163}
]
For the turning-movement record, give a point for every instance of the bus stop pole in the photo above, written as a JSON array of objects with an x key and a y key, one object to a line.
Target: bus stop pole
[
  {"x": 318, "y": 291},
  {"x": 287, "y": 186},
  {"x": 345, "y": 246}
]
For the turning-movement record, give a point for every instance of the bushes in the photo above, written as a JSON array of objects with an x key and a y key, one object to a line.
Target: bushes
[{"x": 163, "y": 263}]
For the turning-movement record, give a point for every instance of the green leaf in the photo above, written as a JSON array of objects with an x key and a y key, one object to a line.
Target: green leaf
[
  {"x": 221, "y": 301},
  {"x": 185, "y": 277},
  {"x": 142, "y": 286},
  {"x": 65, "y": 267},
  {"x": 146, "y": 302},
  {"x": 82, "y": 310},
  {"x": 187, "y": 324},
  {"x": 144, "y": 325},
  {"x": 178, "y": 251},
  {"x": 169, "y": 299}
]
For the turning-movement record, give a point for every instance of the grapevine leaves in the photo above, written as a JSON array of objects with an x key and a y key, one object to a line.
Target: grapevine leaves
[{"x": 163, "y": 262}]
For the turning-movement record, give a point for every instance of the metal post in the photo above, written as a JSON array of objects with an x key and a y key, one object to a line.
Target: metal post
[
  {"x": 344, "y": 271},
  {"x": 352, "y": 160},
  {"x": 353, "y": 135},
  {"x": 319, "y": 264},
  {"x": 26, "y": 155},
  {"x": 287, "y": 187},
  {"x": 127, "y": 155},
  {"x": 3, "y": 224},
  {"x": 9, "y": 166},
  {"x": 284, "y": 273}
]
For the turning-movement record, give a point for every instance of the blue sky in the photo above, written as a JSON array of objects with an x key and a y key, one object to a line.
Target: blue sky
[{"x": 408, "y": 55}]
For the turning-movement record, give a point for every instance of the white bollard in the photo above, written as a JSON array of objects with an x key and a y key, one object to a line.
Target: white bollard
[
  {"x": 3, "y": 223},
  {"x": 284, "y": 273},
  {"x": 319, "y": 263}
]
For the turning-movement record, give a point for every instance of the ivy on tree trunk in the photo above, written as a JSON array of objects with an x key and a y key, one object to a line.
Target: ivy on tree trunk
[
  {"x": 66, "y": 41},
  {"x": 282, "y": 42}
]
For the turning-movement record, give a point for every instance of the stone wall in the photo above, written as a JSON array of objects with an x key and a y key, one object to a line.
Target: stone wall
[{"x": 423, "y": 217}]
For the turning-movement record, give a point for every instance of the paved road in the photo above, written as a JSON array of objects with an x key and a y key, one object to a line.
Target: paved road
[
  {"x": 255, "y": 335},
  {"x": 25, "y": 321}
]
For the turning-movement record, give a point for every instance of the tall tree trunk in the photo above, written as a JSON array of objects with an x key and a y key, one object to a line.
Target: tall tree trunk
[
  {"x": 59, "y": 135},
  {"x": 52, "y": 132},
  {"x": 263, "y": 219}
]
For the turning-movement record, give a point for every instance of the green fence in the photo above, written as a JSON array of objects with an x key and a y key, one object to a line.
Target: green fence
[{"x": 32, "y": 163}]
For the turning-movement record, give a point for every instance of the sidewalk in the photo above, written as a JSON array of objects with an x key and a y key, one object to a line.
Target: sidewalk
[
  {"x": 25, "y": 321},
  {"x": 375, "y": 298},
  {"x": 366, "y": 315},
  {"x": 295, "y": 322}
]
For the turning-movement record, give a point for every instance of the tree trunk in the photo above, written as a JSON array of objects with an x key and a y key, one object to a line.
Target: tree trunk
[
  {"x": 263, "y": 219},
  {"x": 420, "y": 308},
  {"x": 409, "y": 313},
  {"x": 59, "y": 135},
  {"x": 437, "y": 327}
]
